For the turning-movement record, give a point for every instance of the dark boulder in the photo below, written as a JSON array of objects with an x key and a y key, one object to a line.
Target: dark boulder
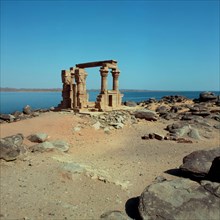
[
  {"x": 7, "y": 117},
  {"x": 198, "y": 163},
  {"x": 180, "y": 199},
  {"x": 214, "y": 172},
  {"x": 146, "y": 114},
  {"x": 162, "y": 110},
  {"x": 130, "y": 104},
  {"x": 207, "y": 96}
]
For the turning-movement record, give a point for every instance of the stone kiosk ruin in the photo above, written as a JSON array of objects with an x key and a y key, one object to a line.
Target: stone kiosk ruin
[{"x": 74, "y": 91}]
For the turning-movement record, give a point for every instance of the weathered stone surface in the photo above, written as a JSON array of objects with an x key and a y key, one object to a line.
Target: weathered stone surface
[
  {"x": 162, "y": 110},
  {"x": 47, "y": 146},
  {"x": 207, "y": 96},
  {"x": 61, "y": 145},
  {"x": 27, "y": 110},
  {"x": 146, "y": 114},
  {"x": 179, "y": 199},
  {"x": 194, "y": 133},
  {"x": 214, "y": 172},
  {"x": 97, "y": 125},
  {"x": 130, "y": 103},
  {"x": 198, "y": 163},
  {"x": 217, "y": 126},
  {"x": 39, "y": 137},
  {"x": 114, "y": 215},
  {"x": 11, "y": 147}
]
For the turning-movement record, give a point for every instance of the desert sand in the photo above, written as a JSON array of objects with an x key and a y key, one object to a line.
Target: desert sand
[{"x": 113, "y": 166}]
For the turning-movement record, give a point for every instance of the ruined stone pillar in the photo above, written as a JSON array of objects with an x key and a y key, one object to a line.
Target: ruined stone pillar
[
  {"x": 115, "y": 75},
  {"x": 104, "y": 74}
]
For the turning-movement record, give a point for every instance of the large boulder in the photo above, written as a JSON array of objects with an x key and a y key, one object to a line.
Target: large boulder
[
  {"x": 11, "y": 147},
  {"x": 130, "y": 103},
  {"x": 180, "y": 199},
  {"x": 214, "y": 172},
  {"x": 146, "y": 114},
  {"x": 198, "y": 163},
  {"x": 207, "y": 96},
  {"x": 7, "y": 117}
]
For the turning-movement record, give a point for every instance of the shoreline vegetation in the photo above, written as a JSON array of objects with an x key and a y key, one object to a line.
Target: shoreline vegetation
[{"x": 7, "y": 89}]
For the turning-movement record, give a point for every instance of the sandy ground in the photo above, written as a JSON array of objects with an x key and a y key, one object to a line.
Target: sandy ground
[{"x": 118, "y": 166}]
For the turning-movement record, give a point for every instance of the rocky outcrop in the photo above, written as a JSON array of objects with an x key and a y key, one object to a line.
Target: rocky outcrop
[
  {"x": 112, "y": 120},
  {"x": 174, "y": 199},
  {"x": 11, "y": 147},
  {"x": 182, "y": 129},
  {"x": 198, "y": 163}
]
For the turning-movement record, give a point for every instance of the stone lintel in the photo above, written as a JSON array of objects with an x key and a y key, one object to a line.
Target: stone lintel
[{"x": 96, "y": 63}]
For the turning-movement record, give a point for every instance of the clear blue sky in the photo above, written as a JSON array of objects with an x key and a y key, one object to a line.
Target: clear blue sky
[{"x": 159, "y": 45}]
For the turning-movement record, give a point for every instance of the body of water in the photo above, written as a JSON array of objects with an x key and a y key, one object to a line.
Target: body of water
[{"x": 15, "y": 101}]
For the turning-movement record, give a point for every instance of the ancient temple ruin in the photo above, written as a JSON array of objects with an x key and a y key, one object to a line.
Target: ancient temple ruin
[{"x": 74, "y": 92}]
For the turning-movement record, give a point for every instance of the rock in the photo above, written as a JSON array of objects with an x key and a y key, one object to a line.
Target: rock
[
  {"x": 153, "y": 136},
  {"x": 97, "y": 125},
  {"x": 42, "y": 147},
  {"x": 114, "y": 215},
  {"x": 47, "y": 146},
  {"x": 173, "y": 99},
  {"x": 130, "y": 103},
  {"x": 214, "y": 172},
  {"x": 194, "y": 133},
  {"x": 207, "y": 96},
  {"x": 169, "y": 116},
  {"x": 7, "y": 117},
  {"x": 17, "y": 114},
  {"x": 179, "y": 199},
  {"x": 116, "y": 125},
  {"x": 198, "y": 163},
  {"x": 158, "y": 136},
  {"x": 61, "y": 145},
  {"x": 11, "y": 147},
  {"x": 202, "y": 113},
  {"x": 217, "y": 126},
  {"x": 27, "y": 110},
  {"x": 146, "y": 114},
  {"x": 162, "y": 110},
  {"x": 39, "y": 137}
]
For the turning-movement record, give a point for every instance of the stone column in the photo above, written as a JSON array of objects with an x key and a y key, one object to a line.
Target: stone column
[
  {"x": 104, "y": 74},
  {"x": 115, "y": 75}
]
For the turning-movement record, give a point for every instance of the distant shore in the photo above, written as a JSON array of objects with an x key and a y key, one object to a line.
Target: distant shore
[{"x": 6, "y": 89}]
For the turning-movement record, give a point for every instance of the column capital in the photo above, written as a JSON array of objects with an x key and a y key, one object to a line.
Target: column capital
[
  {"x": 115, "y": 73},
  {"x": 104, "y": 71}
]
